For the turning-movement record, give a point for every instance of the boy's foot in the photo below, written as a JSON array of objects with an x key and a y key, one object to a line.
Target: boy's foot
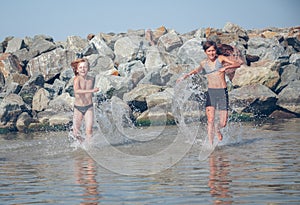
[
  {"x": 210, "y": 141},
  {"x": 79, "y": 138},
  {"x": 220, "y": 136}
]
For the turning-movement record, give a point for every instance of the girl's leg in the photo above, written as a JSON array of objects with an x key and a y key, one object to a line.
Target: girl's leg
[
  {"x": 77, "y": 120},
  {"x": 223, "y": 116},
  {"x": 89, "y": 121},
  {"x": 210, "y": 114}
]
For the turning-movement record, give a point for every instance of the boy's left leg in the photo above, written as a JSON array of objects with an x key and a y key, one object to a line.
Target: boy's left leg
[
  {"x": 77, "y": 120},
  {"x": 89, "y": 121}
]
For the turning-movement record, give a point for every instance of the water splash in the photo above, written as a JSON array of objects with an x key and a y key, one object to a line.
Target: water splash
[
  {"x": 188, "y": 111},
  {"x": 122, "y": 147}
]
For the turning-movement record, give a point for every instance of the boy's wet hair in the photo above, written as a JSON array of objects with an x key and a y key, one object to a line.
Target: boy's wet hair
[{"x": 76, "y": 62}]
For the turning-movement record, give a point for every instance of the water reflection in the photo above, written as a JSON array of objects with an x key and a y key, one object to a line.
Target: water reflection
[
  {"x": 86, "y": 172},
  {"x": 219, "y": 179},
  {"x": 263, "y": 167}
]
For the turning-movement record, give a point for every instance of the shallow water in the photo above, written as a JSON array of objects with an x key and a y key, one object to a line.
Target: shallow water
[{"x": 259, "y": 165}]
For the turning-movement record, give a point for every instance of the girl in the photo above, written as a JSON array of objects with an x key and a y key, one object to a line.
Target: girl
[{"x": 214, "y": 66}]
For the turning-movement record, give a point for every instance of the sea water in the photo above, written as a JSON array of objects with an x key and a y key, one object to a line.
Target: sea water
[
  {"x": 121, "y": 146},
  {"x": 261, "y": 168},
  {"x": 127, "y": 164}
]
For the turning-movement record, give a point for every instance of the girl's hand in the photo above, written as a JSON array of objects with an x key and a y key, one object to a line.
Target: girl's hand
[
  {"x": 223, "y": 69},
  {"x": 179, "y": 79},
  {"x": 96, "y": 90},
  {"x": 182, "y": 78}
]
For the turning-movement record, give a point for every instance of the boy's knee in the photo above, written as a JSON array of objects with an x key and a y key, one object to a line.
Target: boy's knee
[
  {"x": 223, "y": 124},
  {"x": 210, "y": 120},
  {"x": 89, "y": 132}
]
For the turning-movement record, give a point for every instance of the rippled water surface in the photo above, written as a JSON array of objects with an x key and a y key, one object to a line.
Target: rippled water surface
[{"x": 260, "y": 166}]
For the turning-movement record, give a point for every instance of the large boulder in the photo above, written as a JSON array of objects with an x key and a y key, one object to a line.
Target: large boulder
[
  {"x": 289, "y": 97},
  {"x": 256, "y": 99},
  {"x": 264, "y": 74}
]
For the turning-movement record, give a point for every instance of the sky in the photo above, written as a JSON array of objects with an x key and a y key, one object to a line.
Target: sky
[{"x": 62, "y": 18}]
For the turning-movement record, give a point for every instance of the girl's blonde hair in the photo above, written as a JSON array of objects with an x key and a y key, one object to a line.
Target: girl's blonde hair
[{"x": 76, "y": 62}]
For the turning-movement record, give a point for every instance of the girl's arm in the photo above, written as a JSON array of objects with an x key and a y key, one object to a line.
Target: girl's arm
[
  {"x": 229, "y": 63},
  {"x": 193, "y": 72}
]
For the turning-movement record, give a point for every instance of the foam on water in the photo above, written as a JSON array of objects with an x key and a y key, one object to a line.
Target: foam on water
[{"x": 122, "y": 147}]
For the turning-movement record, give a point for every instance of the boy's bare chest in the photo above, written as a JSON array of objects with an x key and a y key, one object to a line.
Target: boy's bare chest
[{"x": 86, "y": 84}]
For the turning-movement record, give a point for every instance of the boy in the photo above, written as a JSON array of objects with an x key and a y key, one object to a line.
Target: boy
[{"x": 83, "y": 104}]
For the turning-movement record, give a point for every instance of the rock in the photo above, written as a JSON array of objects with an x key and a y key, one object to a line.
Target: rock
[
  {"x": 295, "y": 59},
  {"x": 30, "y": 87},
  {"x": 141, "y": 92},
  {"x": 251, "y": 59},
  {"x": 157, "y": 33},
  {"x": 235, "y": 29},
  {"x": 154, "y": 118},
  {"x": 289, "y": 74},
  {"x": 90, "y": 36},
  {"x": 40, "y": 100},
  {"x": 164, "y": 98},
  {"x": 170, "y": 41},
  {"x": 50, "y": 64},
  {"x": 136, "y": 98},
  {"x": 9, "y": 63},
  {"x": 264, "y": 74},
  {"x": 14, "y": 45},
  {"x": 289, "y": 97},
  {"x": 265, "y": 48},
  {"x": 280, "y": 114},
  {"x": 113, "y": 85},
  {"x": 257, "y": 99},
  {"x": 154, "y": 59},
  {"x": 23, "y": 122},
  {"x": 100, "y": 63},
  {"x": 61, "y": 119},
  {"x": 62, "y": 103},
  {"x": 136, "y": 70},
  {"x": 191, "y": 53},
  {"x": 129, "y": 48},
  {"x": 10, "y": 108},
  {"x": 76, "y": 44},
  {"x": 101, "y": 46},
  {"x": 269, "y": 34},
  {"x": 41, "y": 44}
]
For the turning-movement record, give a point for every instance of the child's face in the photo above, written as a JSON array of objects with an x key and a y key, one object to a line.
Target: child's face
[
  {"x": 211, "y": 52},
  {"x": 83, "y": 68}
]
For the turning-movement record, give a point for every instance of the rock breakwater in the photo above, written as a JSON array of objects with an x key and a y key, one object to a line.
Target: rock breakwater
[{"x": 140, "y": 68}]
